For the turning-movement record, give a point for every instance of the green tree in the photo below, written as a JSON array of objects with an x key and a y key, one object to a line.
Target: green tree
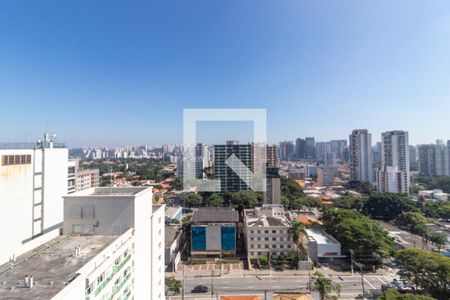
[
  {"x": 311, "y": 203},
  {"x": 442, "y": 183},
  {"x": 393, "y": 294},
  {"x": 178, "y": 184},
  {"x": 297, "y": 232},
  {"x": 173, "y": 285},
  {"x": 387, "y": 206},
  {"x": 439, "y": 239},
  {"x": 326, "y": 287},
  {"x": 290, "y": 188},
  {"x": 427, "y": 270},
  {"x": 191, "y": 200},
  {"x": 244, "y": 199},
  {"x": 215, "y": 200},
  {"x": 411, "y": 220},
  {"x": 357, "y": 232},
  {"x": 349, "y": 202},
  {"x": 361, "y": 187}
]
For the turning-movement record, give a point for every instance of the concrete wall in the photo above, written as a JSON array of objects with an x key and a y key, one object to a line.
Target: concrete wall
[
  {"x": 98, "y": 214},
  {"x": 16, "y": 200}
]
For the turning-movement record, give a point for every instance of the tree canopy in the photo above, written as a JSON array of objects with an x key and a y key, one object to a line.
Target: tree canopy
[
  {"x": 349, "y": 202},
  {"x": 290, "y": 188},
  {"x": 326, "y": 287},
  {"x": 427, "y": 270},
  {"x": 357, "y": 232},
  {"x": 387, "y": 206},
  {"x": 191, "y": 200},
  {"x": 243, "y": 199},
  {"x": 393, "y": 294}
]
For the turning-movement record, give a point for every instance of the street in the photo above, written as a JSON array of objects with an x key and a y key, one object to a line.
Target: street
[{"x": 258, "y": 285}]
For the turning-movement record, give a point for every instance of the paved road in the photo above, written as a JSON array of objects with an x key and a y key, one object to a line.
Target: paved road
[{"x": 351, "y": 285}]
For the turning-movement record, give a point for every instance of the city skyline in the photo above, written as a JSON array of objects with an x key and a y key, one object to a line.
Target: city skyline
[{"x": 115, "y": 76}]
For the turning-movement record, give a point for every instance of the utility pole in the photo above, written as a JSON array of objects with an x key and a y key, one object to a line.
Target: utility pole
[
  {"x": 212, "y": 283},
  {"x": 182, "y": 294},
  {"x": 309, "y": 280},
  {"x": 362, "y": 282},
  {"x": 351, "y": 260}
]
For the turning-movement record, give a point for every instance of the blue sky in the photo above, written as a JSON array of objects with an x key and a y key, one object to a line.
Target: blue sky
[{"x": 121, "y": 72}]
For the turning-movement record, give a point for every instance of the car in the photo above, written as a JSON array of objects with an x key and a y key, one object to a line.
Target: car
[
  {"x": 200, "y": 289},
  {"x": 400, "y": 286}
]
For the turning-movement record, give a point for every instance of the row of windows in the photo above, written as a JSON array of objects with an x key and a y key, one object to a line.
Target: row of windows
[
  {"x": 269, "y": 246},
  {"x": 8, "y": 160},
  {"x": 269, "y": 231},
  {"x": 269, "y": 239},
  {"x": 273, "y": 253}
]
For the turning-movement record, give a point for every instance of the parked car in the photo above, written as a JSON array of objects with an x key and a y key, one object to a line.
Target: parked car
[
  {"x": 400, "y": 286},
  {"x": 200, "y": 289}
]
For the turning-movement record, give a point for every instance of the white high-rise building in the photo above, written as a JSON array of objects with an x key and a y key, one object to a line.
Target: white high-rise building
[
  {"x": 394, "y": 174},
  {"x": 361, "y": 156},
  {"x": 33, "y": 179},
  {"x": 112, "y": 248}
]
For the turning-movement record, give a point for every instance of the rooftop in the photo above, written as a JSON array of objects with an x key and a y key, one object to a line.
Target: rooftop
[
  {"x": 52, "y": 265},
  {"x": 171, "y": 210},
  {"x": 171, "y": 232},
  {"x": 265, "y": 221},
  {"x": 108, "y": 191},
  {"x": 320, "y": 236},
  {"x": 211, "y": 215},
  {"x": 25, "y": 146}
]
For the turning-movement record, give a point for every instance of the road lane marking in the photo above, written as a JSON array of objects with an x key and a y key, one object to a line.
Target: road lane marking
[
  {"x": 382, "y": 281},
  {"x": 370, "y": 283}
]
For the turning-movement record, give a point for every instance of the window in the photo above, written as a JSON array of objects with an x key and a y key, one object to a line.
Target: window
[
  {"x": 266, "y": 231},
  {"x": 274, "y": 239},
  {"x": 8, "y": 160},
  {"x": 266, "y": 239},
  {"x": 274, "y": 231}
]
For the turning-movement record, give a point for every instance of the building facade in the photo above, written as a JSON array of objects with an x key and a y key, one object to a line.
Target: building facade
[
  {"x": 33, "y": 179},
  {"x": 266, "y": 231},
  {"x": 361, "y": 156},
  {"x": 325, "y": 176},
  {"x": 434, "y": 160},
  {"x": 113, "y": 211},
  {"x": 229, "y": 181},
  {"x": 394, "y": 174}
]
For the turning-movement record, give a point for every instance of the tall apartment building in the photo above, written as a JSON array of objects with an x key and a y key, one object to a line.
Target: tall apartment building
[
  {"x": 108, "y": 251},
  {"x": 229, "y": 180},
  {"x": 338, "y": 147},
  {"x": 361, "y": 156},
  {"x": 87, "y": 179},
  {"x": 286, "y": 150},
  {"x": 300, "y": 149},
  {"x": 310, "y": 148},
  {"x": 271, "y": 156},
  {"x": 394, "y": 174},
  {"x": 33, "y": 179},
  {"x": 79, "y": 180},
  {"x": 325, "y": 175},
  {"x": 117, "y": 212},
  {"x": 323, "y": 152},
  {"x": 434, "y": 160}
]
